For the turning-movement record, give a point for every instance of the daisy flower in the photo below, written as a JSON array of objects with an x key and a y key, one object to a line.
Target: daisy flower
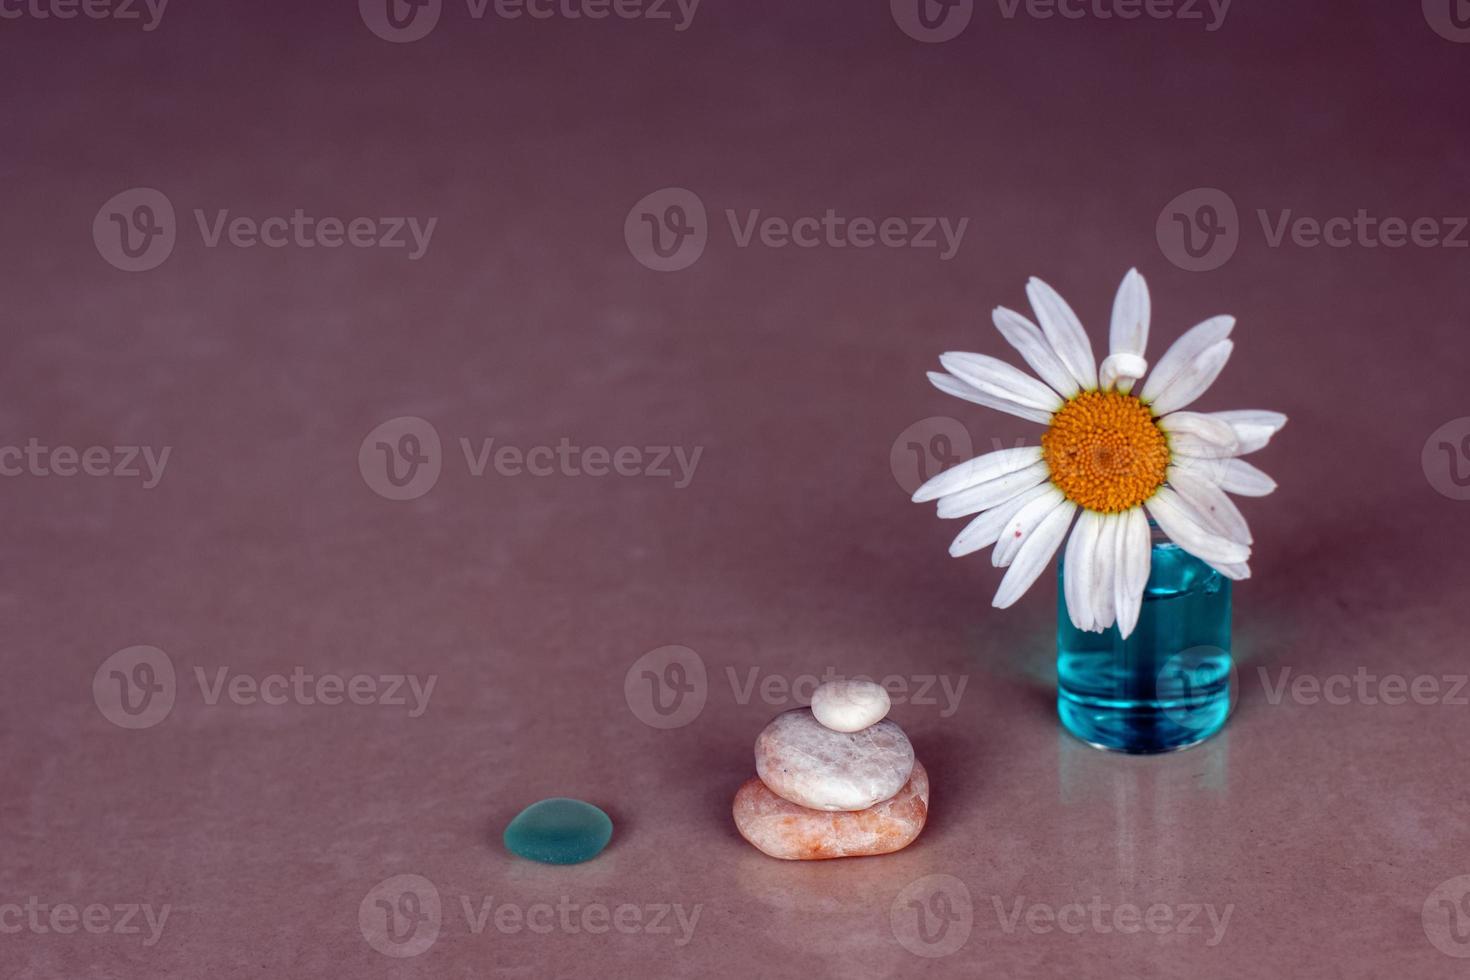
[{"x": 1119, "y": 448}]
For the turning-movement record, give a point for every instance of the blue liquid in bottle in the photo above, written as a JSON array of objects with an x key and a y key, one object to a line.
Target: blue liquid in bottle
[{"x": 1167, "y": 686}]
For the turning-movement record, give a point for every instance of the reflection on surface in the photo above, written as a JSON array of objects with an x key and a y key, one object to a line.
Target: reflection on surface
[
  {"x": 838, "y": 910},
  {"x": 1154, "y": 813}
]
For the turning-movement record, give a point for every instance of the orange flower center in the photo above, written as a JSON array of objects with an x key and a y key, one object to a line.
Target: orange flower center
[{"x": 1105, "y": 451}]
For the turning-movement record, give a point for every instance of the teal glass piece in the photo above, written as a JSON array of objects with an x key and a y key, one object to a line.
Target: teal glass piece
[
  {"x": 559, "y": 831},
  {"x": 1167, "y": 686}
]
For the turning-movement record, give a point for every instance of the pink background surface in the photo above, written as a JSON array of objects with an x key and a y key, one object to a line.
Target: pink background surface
[{"x": 1325, "y": 828}]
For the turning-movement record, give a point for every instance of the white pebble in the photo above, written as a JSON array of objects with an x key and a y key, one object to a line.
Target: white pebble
[
  {"x": 812, "y": 766},
  {"x": 850, "y": 706}
]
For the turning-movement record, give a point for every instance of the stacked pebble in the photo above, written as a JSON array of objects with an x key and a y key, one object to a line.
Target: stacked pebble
[{"x": 834, "y": 780}]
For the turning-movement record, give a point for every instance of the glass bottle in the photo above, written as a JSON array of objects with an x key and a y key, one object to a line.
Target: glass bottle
[{"x": 1167, "y": 686}]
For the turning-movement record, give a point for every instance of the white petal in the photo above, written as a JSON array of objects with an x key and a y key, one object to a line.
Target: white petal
[
  {"x": 1235, "y": 572},
  {"x": 1001, "y": 380},
  {"x": 976, "y": 471},
  {"x": 1027, "y": 339},
  {"x": 1016, "y": 530},
  {"x": 1190, "y": 345},
  {"x": 1077, "y": 570},
  {"x": 985, "y": 529},
  {"x": 1120, "y": 371},
  {"x": 1194, "y": 380},
  {"x": 1035, "y": 554},
  {"x": 1239, "y": 477},
  {"x": 957, "y": 388},
  {"x": 1207, "y": 427},
  {"x": 1202, "y": 467},
  {"x": 1104, "y": 563},
  {"x": 1195, "y": 434},
  {"x": 1064, "y": 332},
  {"x": 1180, "y": 522},
  {"x": 1252, "y": 417},
  {"x": 1231, "y": 475},
  {"x": 1253, "y": 427},
  {"x": 1129, "y": 331},
  {"x": 1134, "y": 554},
  {"x": 992, "y": 493},
  {"x": 1218, "y": 511}
]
